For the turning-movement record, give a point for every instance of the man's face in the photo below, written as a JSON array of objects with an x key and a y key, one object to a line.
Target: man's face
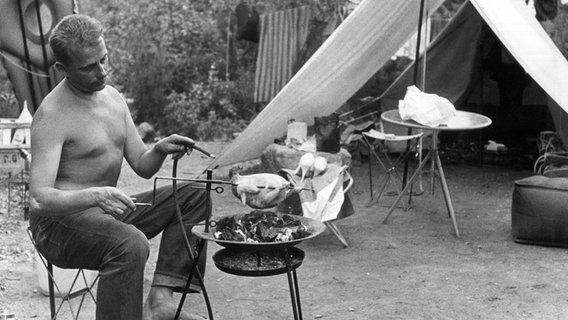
[{"x": 88, "y": 68}]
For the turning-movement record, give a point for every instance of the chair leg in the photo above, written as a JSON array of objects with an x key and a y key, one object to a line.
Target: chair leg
[
  {"x": 376, "y": 199},
  {"x": 370, "y": 170},
  {"x": 65, "y": 297},
  {"x": 391, "y": 176},
  {"x": 51, "y": 291},
  {"x": 337, "y": 233}
]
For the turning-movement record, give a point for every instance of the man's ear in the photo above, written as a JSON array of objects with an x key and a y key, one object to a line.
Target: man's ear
[{"x": 61, "y": 68}]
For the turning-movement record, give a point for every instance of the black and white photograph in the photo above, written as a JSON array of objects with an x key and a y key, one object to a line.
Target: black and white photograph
[{"x": 283, "y": 159}]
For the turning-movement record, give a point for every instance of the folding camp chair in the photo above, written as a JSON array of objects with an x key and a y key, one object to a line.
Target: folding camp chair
[
  {"x": 377, "y": 143},
  {"x": 81, "y": 284}
]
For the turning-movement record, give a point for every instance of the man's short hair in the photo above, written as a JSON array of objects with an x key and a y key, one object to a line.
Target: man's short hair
[{"x": 72, "y": 32}]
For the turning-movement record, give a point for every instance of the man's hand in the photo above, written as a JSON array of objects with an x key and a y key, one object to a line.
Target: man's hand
[
  {"x": 175, "y": 144},
  {"x": 113, "y": 201}
]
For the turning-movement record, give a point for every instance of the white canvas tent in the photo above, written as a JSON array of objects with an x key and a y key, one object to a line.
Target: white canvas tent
[
  {"x": 459, "y": 68},
  {"x": 366, "y": 40}
]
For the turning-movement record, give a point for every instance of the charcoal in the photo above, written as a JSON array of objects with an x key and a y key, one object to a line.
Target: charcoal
[
  {"x": 259, "y": 226},
  {"x": 231, "y": 235},
  {"x": 300, "y": 233},
  {"x": 289, "y": 221},
  {"x": 265, "y": 233}
]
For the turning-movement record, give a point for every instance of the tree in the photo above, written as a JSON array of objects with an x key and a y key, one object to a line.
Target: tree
[{"x": 166, "y": 57}]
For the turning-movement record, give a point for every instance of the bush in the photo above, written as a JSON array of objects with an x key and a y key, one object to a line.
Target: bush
[
  {"x": 8, "y": 106},
  {"x": 205, "y": 112},
  {"x": 164, "y": 56},
  {"x": 8, "y": 103}
]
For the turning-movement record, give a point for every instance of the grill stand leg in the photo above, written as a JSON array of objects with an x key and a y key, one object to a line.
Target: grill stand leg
[
  {"x": 193, "y": 253},
  {"x": 294, "y": 289}
]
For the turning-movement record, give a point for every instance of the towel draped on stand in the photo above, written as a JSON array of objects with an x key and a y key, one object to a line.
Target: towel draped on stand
[{"x": 325, "y": 200}]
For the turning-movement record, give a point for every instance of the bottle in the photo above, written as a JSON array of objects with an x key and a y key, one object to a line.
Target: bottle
[
  {"x": 7, "y": 315},
  {"x": 27, "y": 156}
]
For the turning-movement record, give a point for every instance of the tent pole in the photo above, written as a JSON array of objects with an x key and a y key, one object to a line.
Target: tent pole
[
  {"x": 416, "y": 62},
  {"x": 43, "y": 50},
  {"x": 418, "y": 36},
  {"x": 27, "y": 53},
  {"x": 481, "y": 106},
  {"x": 425, "y": 55}
]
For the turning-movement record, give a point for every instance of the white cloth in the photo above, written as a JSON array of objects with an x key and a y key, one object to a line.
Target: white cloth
[{"x": 309, "y": 145}]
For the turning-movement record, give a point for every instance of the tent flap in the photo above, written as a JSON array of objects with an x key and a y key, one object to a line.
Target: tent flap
[
  {"x": 355, "y": 51},
  {"x": 520, "y": 32},
  {"x": 371, "y": 35},
  {"x": 450, "y": 60}
]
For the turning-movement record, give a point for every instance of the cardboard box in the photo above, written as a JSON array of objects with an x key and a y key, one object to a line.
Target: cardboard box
[{"x": 11, "y": 163}]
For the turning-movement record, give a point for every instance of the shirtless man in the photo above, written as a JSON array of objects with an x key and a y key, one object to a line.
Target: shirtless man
[{"x": 80, "y": 135}]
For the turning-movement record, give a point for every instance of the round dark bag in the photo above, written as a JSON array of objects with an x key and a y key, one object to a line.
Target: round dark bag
[{"x": 327, "y": 133}]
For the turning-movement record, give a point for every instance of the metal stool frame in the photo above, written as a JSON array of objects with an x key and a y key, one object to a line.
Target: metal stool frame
[
  {"x": 65, "y": 296},
  {"x": 389, "y": 166}
]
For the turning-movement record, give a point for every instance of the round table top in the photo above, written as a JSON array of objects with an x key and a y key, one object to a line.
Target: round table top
[{"x": 463, "y": 120}]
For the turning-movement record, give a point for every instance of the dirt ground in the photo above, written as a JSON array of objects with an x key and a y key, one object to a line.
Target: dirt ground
[{"x": 414, "y": 267}]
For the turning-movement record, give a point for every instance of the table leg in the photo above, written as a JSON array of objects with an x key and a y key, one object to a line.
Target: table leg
[
  {"x": 446, "y": 192},
  {"x": 433, "y": 161},
  {"x": 432, "y": 175},
  {"x": 408, "y": 185}
]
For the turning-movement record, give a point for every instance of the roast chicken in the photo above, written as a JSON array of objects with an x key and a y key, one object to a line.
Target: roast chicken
[{"x": 261, "y": 190}]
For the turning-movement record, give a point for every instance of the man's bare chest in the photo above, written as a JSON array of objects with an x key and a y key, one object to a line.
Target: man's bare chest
[{"x": 93, "y": 135}]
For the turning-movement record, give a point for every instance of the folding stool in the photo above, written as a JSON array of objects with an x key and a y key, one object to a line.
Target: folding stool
[
  {"x": 82, "y": 285},
  {"x": 389, "y": 166}
]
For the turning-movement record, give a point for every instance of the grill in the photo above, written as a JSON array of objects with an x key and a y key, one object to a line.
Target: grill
[
  {"x": 258, "y": 263},
  {"x": 238, "y": 257},
  {"x": 313, "y": 227},
  {"x": 261, "y": 259}
]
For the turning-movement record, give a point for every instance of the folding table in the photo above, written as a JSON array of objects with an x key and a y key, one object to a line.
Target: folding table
[{"x": 462, "y": 120}]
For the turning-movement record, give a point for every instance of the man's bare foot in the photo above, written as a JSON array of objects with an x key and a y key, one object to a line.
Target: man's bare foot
[{"x": 160, "y": 305}]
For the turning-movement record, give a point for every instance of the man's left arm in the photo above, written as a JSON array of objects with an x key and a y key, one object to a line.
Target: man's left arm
[{"x": 147, "y": 161}]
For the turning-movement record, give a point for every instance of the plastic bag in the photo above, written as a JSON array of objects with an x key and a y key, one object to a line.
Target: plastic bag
[
  {"x": 425, "y": 108},
  {"x": 248, "y": 23}
]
